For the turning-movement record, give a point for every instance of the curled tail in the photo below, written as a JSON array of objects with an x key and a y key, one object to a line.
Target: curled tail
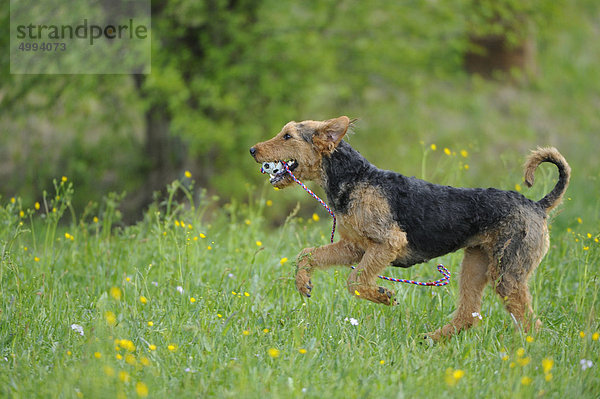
[{"x": 549, "y": 154}]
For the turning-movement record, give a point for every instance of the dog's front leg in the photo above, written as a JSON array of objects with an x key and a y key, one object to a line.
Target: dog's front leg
[
  {"x": 361, "y": 281},
  {"x": 342, "y": 253}
]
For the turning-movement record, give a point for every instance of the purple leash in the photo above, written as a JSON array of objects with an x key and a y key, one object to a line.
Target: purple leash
[{"x": 438, "y": 283}]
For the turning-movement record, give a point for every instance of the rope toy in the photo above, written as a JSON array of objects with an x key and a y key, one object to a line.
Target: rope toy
[{"x": 280, "y": 168}]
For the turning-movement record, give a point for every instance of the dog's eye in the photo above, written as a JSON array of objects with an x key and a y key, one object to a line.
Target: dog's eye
[{"x": 287, "y": 136}]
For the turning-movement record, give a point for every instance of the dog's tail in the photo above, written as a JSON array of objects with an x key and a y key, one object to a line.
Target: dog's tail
[{"x": 549, "y": 154}]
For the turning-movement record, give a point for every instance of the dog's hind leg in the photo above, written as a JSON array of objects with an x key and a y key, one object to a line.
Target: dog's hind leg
[
  {"x": 518, "y": 304},
  {"x": 520, "y": 257},
  {"x": 361, "y": 281},
  {"x": 342, "y": 253},
  {"x": 473, "y": 279}
]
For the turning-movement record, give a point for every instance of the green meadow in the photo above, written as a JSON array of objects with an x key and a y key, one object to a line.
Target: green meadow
[
  {"x": 193, "y": 296},
  {"x": 198, "y": 300}
]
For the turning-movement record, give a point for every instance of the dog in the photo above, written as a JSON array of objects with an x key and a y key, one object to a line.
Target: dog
[{"x": 386, "y": 218}]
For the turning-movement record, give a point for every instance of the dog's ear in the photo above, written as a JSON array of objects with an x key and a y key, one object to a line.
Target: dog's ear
[{"x": 330, "y": 133}]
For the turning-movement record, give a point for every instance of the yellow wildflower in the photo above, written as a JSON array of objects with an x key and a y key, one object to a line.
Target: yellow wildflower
[
  {"x": 273, "y": 352},
  {"x": 523, "y": 361},
  {"x": 124, "y": 376},
  {"x": 172, "y": 347},
  {"x": 595, "y": 336},
  {"x": 529, "y": 339},
  {"x": 36, "y": 206},
  {"x": 547, "y": 364},
  {"x": 458, "y": 374},
  {"x": 141, "y": 389},
  {"x": 269, "y": 203},
  {"x": 152, "y": 347},
  {"x": 453, "y": 376},
  {"x": 582, "y": 334},
  {"x": 130, "y": 359},
  {"x": 526, "y": 381},
  {"x": 150, "y": 323},
  {"x": 258, "y": 243},
  {"x": 188, "y": 174},
  {"x": 433, "y": 147},
  {"x": 97, "y": 355},
  {"x": 447, "y": 151},
  {"x": 64, "y": 179},
  {"x": 127, "y": 344},
  {"x": 143, "y": 300},
  {"x": 315, "y": 217},
  {"x": 246, "y": 332},
  {"x": 110, "y": 317},
  {"x": 302, "y": 351},
  {"x": 192, "y": 300},
  {"x": 464, "y": 153}
]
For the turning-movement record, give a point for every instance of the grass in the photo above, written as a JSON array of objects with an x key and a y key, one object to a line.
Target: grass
[{"x": 195, "y": 301}]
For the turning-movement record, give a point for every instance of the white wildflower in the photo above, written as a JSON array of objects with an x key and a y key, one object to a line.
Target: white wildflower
[
  {"x": 77, "y": 328},
  {"x": 586, "y": 364}
]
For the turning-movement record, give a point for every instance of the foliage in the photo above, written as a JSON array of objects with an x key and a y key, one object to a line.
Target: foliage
[{"x": 227, "y": 74}]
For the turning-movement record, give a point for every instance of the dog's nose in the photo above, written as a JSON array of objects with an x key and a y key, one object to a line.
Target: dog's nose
[{"x": 253, "y": 151}]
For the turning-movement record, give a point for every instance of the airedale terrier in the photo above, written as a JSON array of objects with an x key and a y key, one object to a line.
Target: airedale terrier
[{"x": 386, "y": 218}]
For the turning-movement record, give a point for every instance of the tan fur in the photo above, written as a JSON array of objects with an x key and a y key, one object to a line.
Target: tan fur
[{"x": 546, "y": 154}]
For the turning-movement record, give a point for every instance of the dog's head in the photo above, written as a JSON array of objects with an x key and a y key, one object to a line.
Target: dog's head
[{"x": 302, "y": 146}]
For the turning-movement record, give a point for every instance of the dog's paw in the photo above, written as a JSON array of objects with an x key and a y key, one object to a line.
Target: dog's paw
[
  {"x": 445, "y": 332},
  {"x": 386, "y": 296},
  {"x": 303, "y": 283}
]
